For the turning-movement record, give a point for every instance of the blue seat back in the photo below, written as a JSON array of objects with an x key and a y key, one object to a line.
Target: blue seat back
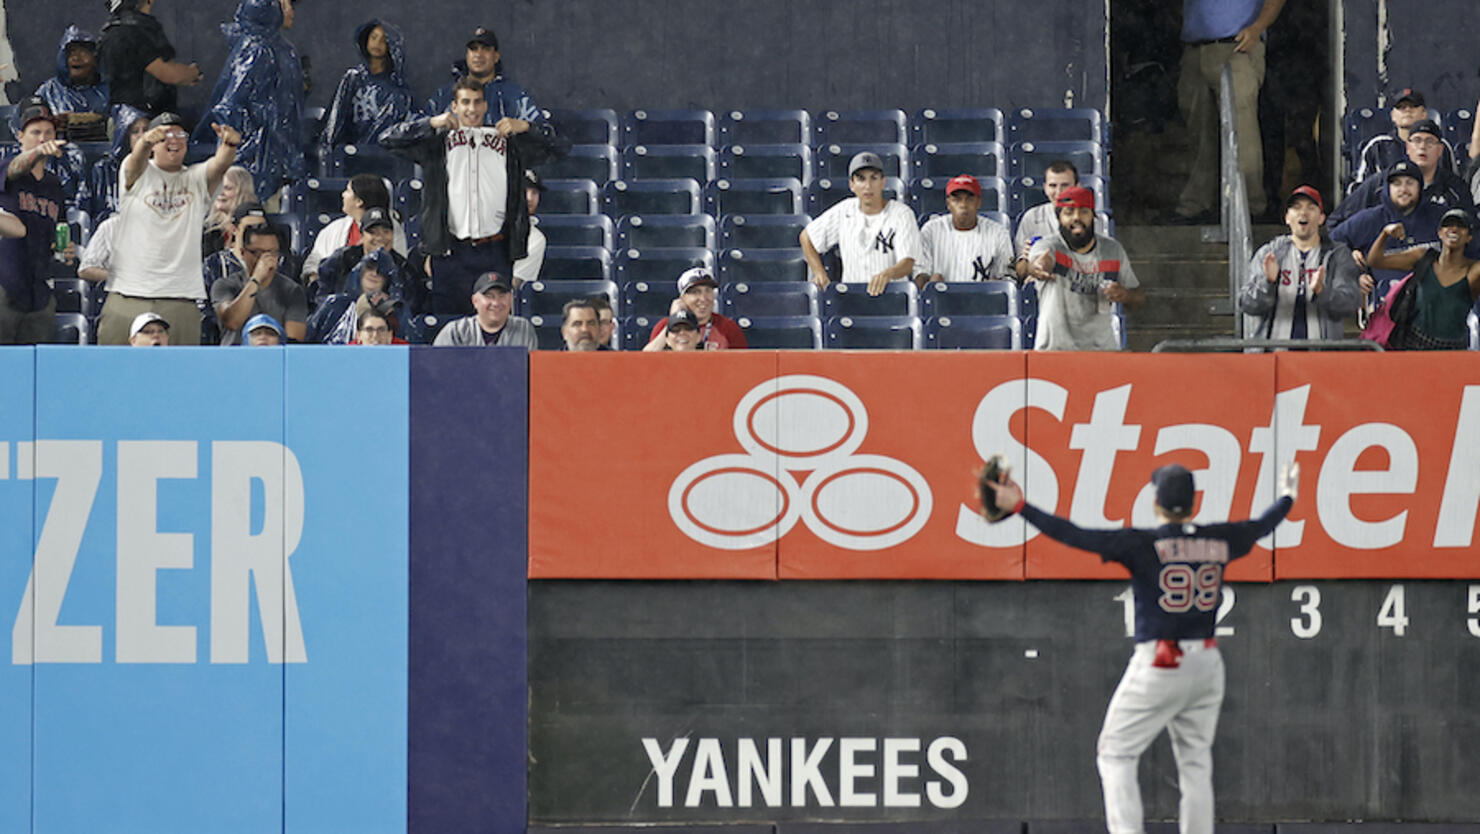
[{"x": 871, "y": 333}]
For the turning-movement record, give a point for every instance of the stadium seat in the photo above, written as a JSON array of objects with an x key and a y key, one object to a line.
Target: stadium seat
[
  {"x": 667, "y": 162},
  {"x": 423, "y": 329},
  {"x": 980, "y": 332},
  {"x": 1077, "y": 124},
  {"x": 757, "y": 161},
  {"x": 969, "y": 298},
  {"x": 648, "y": 300},
  {"x": 548, "y": 298},
  {"x": 320, "y": 196},
  {"x": 295, "y": 225},
  {"x": 576, "y": 230},
  {"x": 199, "y": 152},
  {"x": 1031, "y": 159},
  {"x": 943, "y": 161},
  {"x": 927, "y": 196},
  {"x": 547, "y": 330},
  {"x": 564, "y": 263},
  {"x": 833, "y": 159},
  {"x": 871, "y": 332},
  {"x": 762, "y": 231},
  {"x": 782, "y": 332},
  {"x": 899, "y": 298},
  {"x": 313, "y": 124},
  {"x": 1027, "y": 192},
  {"x": 634, "y": 332},
  {"x": 596, "y": 126},
  {"x": 875, "y": 127},
  {"x": 665, "y": 231},
  {"x": 668, "y": 127},
  {"x": 597, "y": 163},
  {"x": 824, "y": 193},
  {"x": 1457, "y": 127},
  {"x": 349, "y": 160},
  {"x": 70, "y": 294},
  {"x": 1359, "y": 125},
  {"x": 976, "y": 125},
  {"x": 765, "y": 300},
  {"x": 659, "y": 266},
  {"x": 765, "y": 127},
  {"x": 81, "y": 223},
  {"x": 754, "y": 196},
  {"x": 412, "y": 227},
  {"x": 569, "y": 197},
  {"x": 761, "y": 265},
  {"x": 406, "y": 197},
  {"x": 675, "y": 196},
  {"x": 71, "y": 329},
  {"x": 1028, "y": 300}
]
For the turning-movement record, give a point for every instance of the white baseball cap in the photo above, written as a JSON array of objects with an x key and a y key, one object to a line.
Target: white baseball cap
[{"x": 143, "y": 320}]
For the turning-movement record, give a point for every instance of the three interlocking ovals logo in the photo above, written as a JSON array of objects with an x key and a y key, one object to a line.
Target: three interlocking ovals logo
[{"x": 800, "y": 423}]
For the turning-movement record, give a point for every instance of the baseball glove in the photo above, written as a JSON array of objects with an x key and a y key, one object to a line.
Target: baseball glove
[{"x": 993, "y": 473}]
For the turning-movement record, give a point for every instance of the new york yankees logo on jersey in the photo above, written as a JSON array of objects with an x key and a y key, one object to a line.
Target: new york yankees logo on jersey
[{"x": 884, "y": 241}]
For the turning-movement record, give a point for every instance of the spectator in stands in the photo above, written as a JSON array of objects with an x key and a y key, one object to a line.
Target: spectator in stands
[
  {"x": 483, "y": 64},
  {"x": 373, "y": 95},
  {"x": 696, "y": 294},
  {"x": 1384, "y": 150},
  {"x": 95, "y": 259},
  {"x": 1448, "y": 282},
  {"x": 374, "y": 284},
  {"x": 218, "y": 265},
  {"x": 260, "y": 93},
  {"x": 236, "y": 190},
  {"x": 263, "y": 331},
  {"x": 492, "y": 322},
  {"x": 156, "y": 264},
  {"x": 77, "y": 94},
  {"x": 1442, "y": 186},
  {"x": 377, "y": 233},
  {"x": 1080, "y": 274},
  {"x": 259, "y": 286},
  {"x": 878, "y": 238},
  {"x": 364, "y": 192},
  {"x": 1042, "y": 220},
  {"x": 1214, "y": 33},
  {"x": 149, "y": 330},
  {"x": 130, "y": 123},
  {"x": 528, "y": 267},
  {"x": 373, "y": 328},
  {"x": 1299, "y": 285},
  {"x": 70, "y": 166},
  {"x": 682, "y": 333},
  {"x": 474, "y": 214},
  {"x": 139, "y": 61},
  {"x": 580, "y": 326},
  {"x": 963, "y": 245},
  {"x": 1400, "y": 204},
  {"x": 606, "y": 319},
  {"x": 34, "y": 195}
]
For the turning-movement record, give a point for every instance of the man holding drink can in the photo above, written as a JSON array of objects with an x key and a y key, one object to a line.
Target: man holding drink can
[{"x": 35, "y": 196}]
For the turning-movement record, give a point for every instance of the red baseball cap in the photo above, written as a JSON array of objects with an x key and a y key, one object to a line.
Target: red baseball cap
[
  {"x": 963, "y": 182},
  {"x": 1308, "y": 192},
  {"x": 1076, "y": 197}
]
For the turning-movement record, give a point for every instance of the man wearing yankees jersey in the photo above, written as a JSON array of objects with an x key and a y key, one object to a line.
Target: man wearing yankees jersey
[
  {"x": 1081, "y": 276},
  {"x": 963, "y": 245},
  {"x": 1300, "y": 286},
  {"x": 474, "y": 215},
  {"x": 877, "y": 237}
]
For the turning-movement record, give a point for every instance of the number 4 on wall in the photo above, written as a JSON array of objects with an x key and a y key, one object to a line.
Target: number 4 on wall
[{"x": 1393, "y": 614}]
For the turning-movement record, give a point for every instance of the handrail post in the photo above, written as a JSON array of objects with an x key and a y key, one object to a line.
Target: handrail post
[{"x": 1235, "y": 202}]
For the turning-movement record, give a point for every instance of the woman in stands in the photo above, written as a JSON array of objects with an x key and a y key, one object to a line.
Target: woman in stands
[
  {"x": 1447, "y": 284},
  {"x": 236, "y": 189}
]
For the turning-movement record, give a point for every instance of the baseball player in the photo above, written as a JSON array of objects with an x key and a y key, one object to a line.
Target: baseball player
[
  {"x": 1174, "y": 680},
  {"x": 878, "y": 238},
  {"x": 963, "y": 245}
]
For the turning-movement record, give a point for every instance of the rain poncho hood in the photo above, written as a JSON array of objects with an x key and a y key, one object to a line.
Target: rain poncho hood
[
  {"x": 364, "y": 103},
  {"x": 260, "y": 93},
  {"x": 60, "y": 94},
  {"x": 337, "y": 317}
]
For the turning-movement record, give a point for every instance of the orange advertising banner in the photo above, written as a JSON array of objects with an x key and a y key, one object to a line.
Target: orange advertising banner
[{"x": 855, "y": 465}]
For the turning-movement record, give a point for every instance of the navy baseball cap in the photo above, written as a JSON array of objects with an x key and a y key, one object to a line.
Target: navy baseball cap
[
  {"x": 491, "y": 280},
  {"x": 1428, "y": 126},
  {"x": 1174, "y": 489},
  {"x": 681, "y": 319},
  {"x": 1405, "y": 169},
  {"x": 375, "y": 217},
  {"x": 164, "y": 119},
  {"x": 248, "y": 210},
  {"x": 1408, "y": 94},
  {"x": 483, "y": 36},
  {"x": 1457, "y": 215},
  {"x": 33, "y": 109}
]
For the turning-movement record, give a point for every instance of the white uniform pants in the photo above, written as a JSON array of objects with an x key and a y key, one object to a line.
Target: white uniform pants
[{"x": 1185, "y": 701}]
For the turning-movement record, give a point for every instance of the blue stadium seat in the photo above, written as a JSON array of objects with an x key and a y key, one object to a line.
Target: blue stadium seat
[
  {"x": 667, "y": 162},
  {"x": 649, "y": 300},
  {"x": 566, "y": 263},
  {"x": 199, "y": 152},
  {"x": 597, "y": 126},
  {"x": 754, "y": 196},
  {"x": 824, "y": 193},
  {"x": 1031, "y": 159},
  {"x": 984, "y": 124},
  {"x": 666, "y": 231},
  {"x": 969, "y": 298},
  {"x": 761, "y": 265},
  {"x": 548, "y": 298},
  {"x": 676, "y": 196},
  {"x": 71, "y": 329},
  {"x": 569, "y": 197},
  {"x": 782, "y": 332},
  {"x": 757, "y": 161},
  {"x": 412, "y": 227},
  {"x": 576, "y": 230},
  {"x": 1359, "y": 125},
  {"x": 833, "y": 159},
  {"x": 943, "y": 161},
  {"x": 899, "y": 298},
  {"x": 1030, "y": 331},
  {"x": 872, "y": 333},
  {"x": 597, "y": 163},
  {"x": 634, "y": 332},
  {"x": 81, "y": 222},
  {"x": 1027, "y": 192},
  {"x": 979, "y": 332},
  {"x": 1078, "y": 124},
  {"x": 295, "y": 224},
  {"x": 668, "y": 127},
  {"x": 423, "y": 329},
  {"x": 70, "y": 294},
  {"x": 547, "y": 330},
  {"x": 762, "y": 231},
  {"x": 765, "y": 127},
  {"x": 349, "y": 160},
  {"x": 659, "y": 266},
  {"x": 406, "y": 196},
  {"x": 1457, "y": 126},
  {"x": 876, "y": 127},
  {"x": 316, "y": 196},
  {"x": 313, "y": 124},
  {"x": 1028, "y": 300},
  {"x": 927, "y": 196},
  {"x": 764, "y": 300}
]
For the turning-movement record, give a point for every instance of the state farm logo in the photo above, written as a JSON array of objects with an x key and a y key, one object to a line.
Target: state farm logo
[{"x": 800, "y": 424}]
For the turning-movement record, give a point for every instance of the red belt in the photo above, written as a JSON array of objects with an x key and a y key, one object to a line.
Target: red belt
[
  {"x": 479, "y": 241},
  {"x": 1169, "y": 653}
]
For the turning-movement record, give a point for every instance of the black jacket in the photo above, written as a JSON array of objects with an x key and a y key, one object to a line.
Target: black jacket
[{"x": 1447, "y": 191}]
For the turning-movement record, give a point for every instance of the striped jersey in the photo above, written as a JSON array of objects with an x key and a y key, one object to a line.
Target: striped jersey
[
  {"x": 981, "y": 253},
  {"x": 869, "y": 244},
  {"x": 477, "y": 182}
]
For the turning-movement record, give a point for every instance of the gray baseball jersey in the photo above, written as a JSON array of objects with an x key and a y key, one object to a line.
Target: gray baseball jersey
[
  {"x": 869, "y": 244},
  {"x": 981, "y": 253}
]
